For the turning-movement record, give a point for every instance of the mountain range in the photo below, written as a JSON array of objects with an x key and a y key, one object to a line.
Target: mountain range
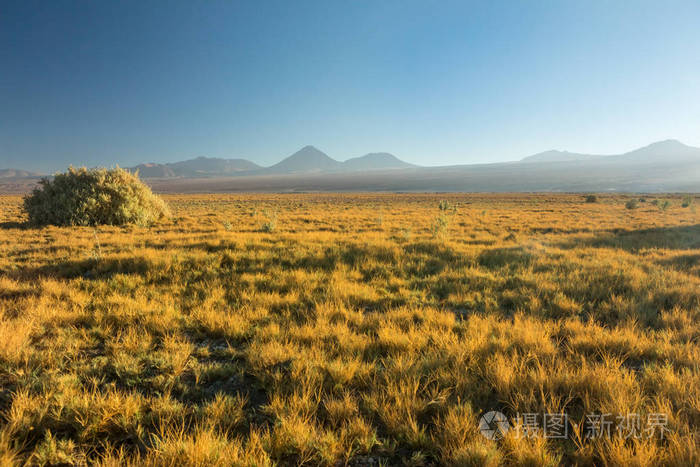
[
  {"x": 310, "y": 160},
  {"x": 662, "y": 166},
  {"x": 661, "y": 151},
  {"x": 306, "y": 160},
  {"x": 16, "y": 173},
  {"x": 199, "y": 167}
]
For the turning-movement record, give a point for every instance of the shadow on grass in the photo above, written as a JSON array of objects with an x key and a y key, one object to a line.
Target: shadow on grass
[
  {"x": 688, "y": 264},
  {"x": 14, "y": 225},
  {"x": 500, "y": 257},
  {"x": 423, "y": 259},
  {"x": 89, "y": 268},
  {"x": 672, "y": 238}
]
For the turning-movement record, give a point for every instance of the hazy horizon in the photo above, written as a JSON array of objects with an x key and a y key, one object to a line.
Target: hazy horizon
[
  {"x": 434, "y": 84},
  {"x": 116, "y": 163}
]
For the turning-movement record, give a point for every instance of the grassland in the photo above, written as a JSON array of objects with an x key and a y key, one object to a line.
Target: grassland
[{"x": 351, "y": 329}]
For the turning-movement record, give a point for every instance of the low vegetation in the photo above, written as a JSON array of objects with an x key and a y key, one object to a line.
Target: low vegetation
[
  {"x": 332, "y": 340},
  {"x": 93, "y": 197},
  {"x": 270, "y": 221}
]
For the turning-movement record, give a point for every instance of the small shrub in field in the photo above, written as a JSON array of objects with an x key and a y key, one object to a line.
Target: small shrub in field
[
  {"x": 270, "y": 223},
  {"x": 664, "y": 205},
  {"x": 687, "y": 201},
  {"x": 440, "y": 225},
  {"x": 591, "y": 199},
  {"x": 94, "y": 197},
  {"x": 655, "y": 202},
  {"x": 444, "y": 205},
  {"x": 632, "y": 204}
]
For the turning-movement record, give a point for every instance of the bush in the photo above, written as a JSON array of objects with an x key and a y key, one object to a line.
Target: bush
[
  {"x": 591, "y": 199},
  {"x": 444, "y": 205},
  {"x": 440, "y": 225},
  {"x": 687, "y": 201},
  {"x": 94, "y": 197},
  {"x": 632, "y": 204},
  {"x": 270, "y": 223}
]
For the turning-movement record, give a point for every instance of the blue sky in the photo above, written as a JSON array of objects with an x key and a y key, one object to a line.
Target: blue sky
[{"x": 433, "y": 82}]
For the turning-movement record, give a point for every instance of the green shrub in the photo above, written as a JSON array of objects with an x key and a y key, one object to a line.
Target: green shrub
[
  {"x": 591, "y": 199},
  {"x": 270, "y": 223},
  {"x": 444, "y": 205},
  {"x": 665, "y": 204},
  {"x": 632, "y": 204},
  {"x": 94, "y": 197},
  {"x": 687, "y": 201},
  {"x": 440, "y": 226}
]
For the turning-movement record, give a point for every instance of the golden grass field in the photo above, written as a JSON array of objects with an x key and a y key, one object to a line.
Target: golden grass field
[{"x": 363, "y": 329}]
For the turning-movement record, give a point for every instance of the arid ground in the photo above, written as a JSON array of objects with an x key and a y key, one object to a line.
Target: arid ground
[{"x": 360, "y": 329}]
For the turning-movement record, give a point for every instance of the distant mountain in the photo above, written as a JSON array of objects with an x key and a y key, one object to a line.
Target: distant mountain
[
  {"x": 559, "y": 156},
  {"x": 376, "y": 161},
  {"x": 664, "y": 166},
  {"x": 307, "y": 159},
  {"x": 666, "y": 151},
  {"x": 199, "y": 167},
  {"x": 16, "y": 173},
  {"x": 212, "y": 166},
  {"x": 151, "y": 170}
]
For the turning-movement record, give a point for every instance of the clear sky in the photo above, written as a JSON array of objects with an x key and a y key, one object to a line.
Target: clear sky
[{"x": 433, "y": 82}]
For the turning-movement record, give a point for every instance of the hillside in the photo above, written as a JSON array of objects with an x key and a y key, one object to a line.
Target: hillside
[
  {"x": 198, "y": 167},
  {"x": 662, "y": 152},
  {"x": 16, "y": 173},
  {"x": 211, "y": 166},
  {"x": 307, "y": 159},
  {"x": 559, "y": 156},
  {"x": 151, "y": 170},
  {"x": 666, "y": 152},
  {"x": 376, "y": 161}
]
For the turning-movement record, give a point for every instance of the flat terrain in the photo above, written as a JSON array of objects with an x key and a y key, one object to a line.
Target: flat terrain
[{"x": 364, "y": 329}]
